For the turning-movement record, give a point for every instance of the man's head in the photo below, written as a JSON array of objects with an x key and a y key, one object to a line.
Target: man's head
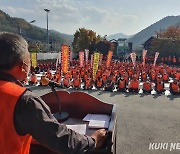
[{"x": 14, "y": 55}]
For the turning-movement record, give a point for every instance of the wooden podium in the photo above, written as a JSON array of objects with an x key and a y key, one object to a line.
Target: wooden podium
[{"x": 78, "y": 105}]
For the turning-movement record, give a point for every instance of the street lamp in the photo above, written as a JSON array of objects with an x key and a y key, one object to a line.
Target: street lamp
[
  {"x": 47, "y": 10},
  {"x": 32, "y": 21}
]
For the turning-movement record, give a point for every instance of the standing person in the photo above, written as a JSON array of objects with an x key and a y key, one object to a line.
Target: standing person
[{"x": 24, "y": 115}]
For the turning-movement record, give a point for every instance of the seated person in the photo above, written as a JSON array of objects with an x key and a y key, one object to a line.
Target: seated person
[
  {"x": 109, "y": 85},
  {"x": 99, "y": 83},
  {"x": 121, "y": 85},
  {"x": 147, "y": 87},
  {"x": 88, "y": 84},
  {"x": 76, "y": 82},
  {"x": 33, "y": 79},
  {"x": 159, "y": 87},
  {"x": 174, "y": 87},
  {"x": 66, "y": 82},
  {"x": 134, "y": 85}
]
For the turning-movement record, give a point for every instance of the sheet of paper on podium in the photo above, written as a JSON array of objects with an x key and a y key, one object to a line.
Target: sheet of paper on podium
[
  {"x": 80, "y": 128},
  {"x": 97, "y": 120}
]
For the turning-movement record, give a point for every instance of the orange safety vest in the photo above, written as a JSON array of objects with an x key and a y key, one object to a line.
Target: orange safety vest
[
  {"x": 104, "y": 77},
  {"x": 175, "y": 87},
  {"x": 10, "y": 141},
  {"x": 165, "y": 77},
  {"x": 66, "y": 82},
  {"x": 159, "y": 86},
  {"x": 99, "y": 83},
  {"x": 147, "y": 86},
  {"x": 134, "y": 84},
  {"x": 76, "y": 82},
  {"x": 122, "y": 84},
  {"x": 88, "y": 82}
]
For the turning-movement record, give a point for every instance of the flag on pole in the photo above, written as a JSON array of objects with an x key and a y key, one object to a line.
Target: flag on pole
[
  {"x": 133, "y": 58},
  {"x": 155, "y": 58},
  {"x": 81, "y": 58},
  {"x": 144, "y": 52},
  {"x": 95, "y": 64},
  {"x": 65, "y": 58},
  {"x": 100, "y": 59},
  {"x": 71, "y": 56},
  {"x": 86, "y": 55},
  {"x": 109, "y": 57},
  {"x": 34, "y": 59}
]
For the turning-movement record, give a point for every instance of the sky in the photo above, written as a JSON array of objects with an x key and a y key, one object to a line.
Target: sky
[{"x": 105, "y": 17}]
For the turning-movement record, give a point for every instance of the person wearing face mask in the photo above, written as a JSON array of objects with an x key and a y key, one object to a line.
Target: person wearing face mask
[{"x": 24, "y": 115}]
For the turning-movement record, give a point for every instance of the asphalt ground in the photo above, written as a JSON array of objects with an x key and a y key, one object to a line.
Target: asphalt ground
[{"x": 146, "y": 124}]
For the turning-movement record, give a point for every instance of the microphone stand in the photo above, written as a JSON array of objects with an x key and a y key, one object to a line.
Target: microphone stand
[{"x": 60, "y": 116}]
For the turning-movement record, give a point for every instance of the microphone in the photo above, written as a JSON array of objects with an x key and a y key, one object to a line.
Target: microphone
[
  {"x": 60, "y": 115},
  {"x": 45, "y": 81}
]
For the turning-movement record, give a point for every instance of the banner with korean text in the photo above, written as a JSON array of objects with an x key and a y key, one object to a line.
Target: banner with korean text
[
  {"x": 86, "y": 55},
  {"x": 144, "y": 52},
  {"x": 133, "y": 58},
  {"x": 65, "y": 58},
  {"x": 95, "y": 64},
  {"x": 100, "y": 59},
  {"x": 81, "y": 58},
  {"x": 109, "y": 57},
  {"x": 155, "y": 58},
  {"x": 34, "y": 59}
]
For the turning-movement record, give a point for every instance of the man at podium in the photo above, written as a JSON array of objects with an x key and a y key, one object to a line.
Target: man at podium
[{"x": 24, "y": 115}]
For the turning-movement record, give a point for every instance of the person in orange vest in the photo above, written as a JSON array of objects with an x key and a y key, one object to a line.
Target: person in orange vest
[
  {"x": 147, "y": 87},
  {"x": 121, "y": 87},
  {"x": 88, "y": 84},
  {"x": 143, "y": 76},
  {"x": 99, "y": 83},
  {"x": 24, "y": 115},
  {"x": 109, "y": 84},
  {"x": 76, "y": 82},
  {"x": 165, "y": 77},
  {"x": 48, "y": 74},
  {"x": 134, "y": 85},
  {"x": 159, "y": 87},
  {"x": 33, "y": 79},
  {"x": 174, "y": 87},
  {"x": 66, "y": 82}
]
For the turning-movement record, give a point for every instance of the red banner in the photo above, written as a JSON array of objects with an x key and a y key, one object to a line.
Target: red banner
[
  {"x": 109, "y": 57},
  {"x": 65, "y": 58}
]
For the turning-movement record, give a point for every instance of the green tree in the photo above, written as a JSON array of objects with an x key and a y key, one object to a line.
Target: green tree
[{"x": 84, "y": 39}]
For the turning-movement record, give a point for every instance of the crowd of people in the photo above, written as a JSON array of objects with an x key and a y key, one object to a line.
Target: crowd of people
[{"x": 119, "y": 76}]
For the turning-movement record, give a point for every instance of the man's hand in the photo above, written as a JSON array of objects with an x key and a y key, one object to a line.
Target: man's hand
[{"x": 100, "y": 137}]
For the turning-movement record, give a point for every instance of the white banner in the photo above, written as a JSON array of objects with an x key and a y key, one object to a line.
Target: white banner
[
  {"x": 155, "y": 58},
  {"x": 133, "y": 58}
]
